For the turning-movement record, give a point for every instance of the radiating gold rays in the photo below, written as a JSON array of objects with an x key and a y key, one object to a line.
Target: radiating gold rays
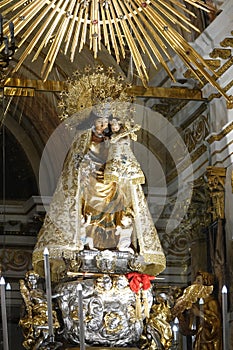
[{"x": 146, "y": 28}]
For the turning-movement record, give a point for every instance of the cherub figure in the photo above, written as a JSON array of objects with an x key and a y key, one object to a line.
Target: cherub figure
[
  {"x": 84, "y": 240},
  {"x": 208, "y": 333},
  {"x": 125, "y": 232},
  {"x": 121, "y": 163},
  {"x": 35, "y": 321}
]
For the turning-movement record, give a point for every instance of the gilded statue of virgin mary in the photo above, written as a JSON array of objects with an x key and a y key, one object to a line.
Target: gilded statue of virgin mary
[{"x": 99, "y": 203}]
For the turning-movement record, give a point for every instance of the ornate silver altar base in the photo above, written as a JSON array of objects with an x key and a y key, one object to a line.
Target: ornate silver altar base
[
  {"x": 101, "y": 348},
  {"x": 106, "y": 261},
  {"x": 113, "y": 313}
]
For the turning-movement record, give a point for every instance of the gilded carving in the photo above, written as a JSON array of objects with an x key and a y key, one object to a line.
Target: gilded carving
[
  {"x": 214, "y": 64},
  {"x": 227, "y": 42},
  {"x": 196, "y": 133},
  {"x": 220, "y": 53},
  {"x": 205, "y": 317},
  {"x": 225, "y": 66},
  {"x": 15, "y": 260},
  {"x": 34, "y": 321},
  {"x": 216, "y": 184},
  {"x": 230, "y": 103}
]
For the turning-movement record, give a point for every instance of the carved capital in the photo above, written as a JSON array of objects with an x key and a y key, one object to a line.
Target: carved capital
[{"x": 216, "y": 183}]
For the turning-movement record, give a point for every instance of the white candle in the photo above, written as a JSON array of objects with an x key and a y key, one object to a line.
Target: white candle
[
  {"x": 80, "y": 317},
  {"x": 224, "y": 317},
  {"x": 175, "y": 330},
  {"x": 4, "y": 317},
  {"x": 201, "y": 303},
  {"x": 48, "y": 294}
]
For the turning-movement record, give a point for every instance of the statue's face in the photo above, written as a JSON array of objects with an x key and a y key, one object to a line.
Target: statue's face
[
  {"x": 101, "y": 124},
  {"x": 115, "y": 127},
  {"x": 126, "y": 221},
  {"x": 32, "y": 279}
]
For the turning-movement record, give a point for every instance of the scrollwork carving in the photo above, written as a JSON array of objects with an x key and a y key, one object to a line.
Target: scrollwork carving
[
  {"x": 15, "y": 260},
  {"x": 196, "y": 133}
]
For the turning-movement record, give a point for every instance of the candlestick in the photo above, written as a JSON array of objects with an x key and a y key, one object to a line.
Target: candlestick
[
  {"x": 80, "y": 317},
  {"x": 4, "y": 317},
  {"x": 224, "y": 317},
  {"x": 48, "y": 294}
]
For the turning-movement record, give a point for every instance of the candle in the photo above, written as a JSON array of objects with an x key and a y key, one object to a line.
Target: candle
[
  {"x": 80, "y": 317},
  {"x": 201, "y": 303},
  {"x": 175, "y": 330},
  {"x": 194, "y": 328},
  {"x": 8, "y": 302},
  {"x": 4, "y": 317},
  {"x": 224, "y": 317},
  {"x": 48, "y": 294}
]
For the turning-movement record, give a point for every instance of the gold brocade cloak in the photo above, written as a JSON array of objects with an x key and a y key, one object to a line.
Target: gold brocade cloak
[{"x": 81, "y": 190}]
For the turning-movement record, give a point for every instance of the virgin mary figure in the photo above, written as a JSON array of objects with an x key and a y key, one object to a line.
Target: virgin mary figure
[{"x": 87, "y": 210}]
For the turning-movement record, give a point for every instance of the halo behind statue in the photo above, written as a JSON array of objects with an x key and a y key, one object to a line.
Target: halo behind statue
[{"x": 96, "y": 90}]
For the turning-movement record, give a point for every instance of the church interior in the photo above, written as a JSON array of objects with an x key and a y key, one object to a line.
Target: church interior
[{"x": 184, "y": 147}]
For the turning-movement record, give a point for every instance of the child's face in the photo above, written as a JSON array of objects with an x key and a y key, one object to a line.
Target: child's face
[
  {"x": 126, "y": 221},
  {"x": 115, "y": 127}
]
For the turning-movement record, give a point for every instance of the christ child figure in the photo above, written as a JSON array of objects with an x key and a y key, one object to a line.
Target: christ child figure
[
  {"x": 121, "y": 163},
  {"x": 125, "y": 232}
]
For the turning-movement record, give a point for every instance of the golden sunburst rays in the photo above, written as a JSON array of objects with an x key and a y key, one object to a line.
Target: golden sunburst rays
[{"x": 148, "y": 29}]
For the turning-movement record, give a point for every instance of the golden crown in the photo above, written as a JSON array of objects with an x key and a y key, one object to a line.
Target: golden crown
[{"x": 100, "y": 91}]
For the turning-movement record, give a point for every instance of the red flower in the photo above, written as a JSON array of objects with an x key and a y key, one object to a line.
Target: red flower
[{"x": 139, "y": 280}]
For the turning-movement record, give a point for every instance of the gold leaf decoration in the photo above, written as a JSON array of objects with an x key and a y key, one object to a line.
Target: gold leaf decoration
[{"x": 148, "y": 29}]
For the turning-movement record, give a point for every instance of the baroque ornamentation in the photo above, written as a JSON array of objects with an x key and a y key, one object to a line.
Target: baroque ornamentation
[
  {"x": 220, "y": 53},
  {"x": 208, "y": 333},
  {"x": 15, "y": 260},
  {"x": 227, "y": 42},
  {"x": 147, "y": 27},
  {"x": 214, "y": 64},
  {"x": 196, "y": 133},
  {"x": 109, "y": 320},
  {"x": 216, "y": 183}
]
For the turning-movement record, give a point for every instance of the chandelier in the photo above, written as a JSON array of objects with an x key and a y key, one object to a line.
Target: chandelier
[{"x": 148, "y": 29}]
